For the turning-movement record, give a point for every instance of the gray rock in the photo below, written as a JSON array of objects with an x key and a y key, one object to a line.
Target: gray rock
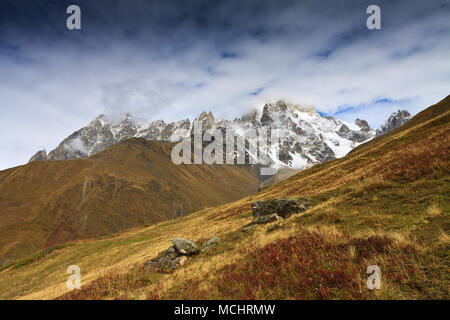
[
  {"x": 282, "y": 207},
  {"x": 185, "y": 246},
  {"x": 261, "y": 220},
  {"x": 171, "y": 249},
  {"x": 167, "y": 260},
  {"x": 213, "y": 240},
  {"x": 211, "y": 243},
  {"x": 266, "y": 218}
]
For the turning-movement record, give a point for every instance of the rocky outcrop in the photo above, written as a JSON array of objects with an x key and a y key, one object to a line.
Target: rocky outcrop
[
  {"x": 282, "y": 207},
  {"x": 362, "y": 135},
  {"x": 274, "y": 210},
  {"x": 174, "y": 257},
  {"x": 185, "y": 246},
  {"x": 396, "y": 120},
  {"x": 266, "y": 218},
  {"x": 39, "y": 156},
  {"x": 167, "y": 260},
  {"x": 363, "y": 125}
]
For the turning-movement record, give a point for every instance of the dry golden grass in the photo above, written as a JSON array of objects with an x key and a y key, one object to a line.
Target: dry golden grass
[
  {"x": 433, "y": 210},
  {"x": 443, "y": 238}
]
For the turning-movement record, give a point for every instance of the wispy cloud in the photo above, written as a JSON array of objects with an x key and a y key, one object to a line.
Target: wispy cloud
[{"x": 171, "y": 60}]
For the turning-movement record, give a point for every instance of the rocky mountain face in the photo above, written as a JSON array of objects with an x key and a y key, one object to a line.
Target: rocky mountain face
[
  {"x": 102, "y": 133},
  {"x": 306, "y": 137},
  {"x": 396, "y": 119},
  {"x": 39, "y": 156}
]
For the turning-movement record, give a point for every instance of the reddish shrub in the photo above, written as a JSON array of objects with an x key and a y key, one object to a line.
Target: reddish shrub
[
  {"x": 366, "y": 248},
  {"x": 304, "y": 266}
]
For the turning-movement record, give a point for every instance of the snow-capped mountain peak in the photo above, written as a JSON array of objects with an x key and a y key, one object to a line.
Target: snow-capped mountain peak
[
  {"x": 396, "y": 119},
  {"x": 306, "y": 137}
]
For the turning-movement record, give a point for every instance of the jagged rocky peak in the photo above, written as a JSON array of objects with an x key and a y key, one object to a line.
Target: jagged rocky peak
[
  {"x": 174, "y": 130},
  {"x": 153, "y": 131},
  {"x": 266, "y": 118},
  {"x": 364, "y": 133},
  {"x": 395, "y": 120},
  {"x": 207, "y": 119},
  {"x": 39, "y": 156},
  {"x": 272, "y": 111},
  {"x": 278, "y": 106},
  {"x": 101, "y": 120},
  {"x": 127, "y": 128},
  {"x": 363, "y": 124},
  {"x": 157, "y": 125},
  {"x": 206, "y": 115},
  {"x": 306, "y": 137}
]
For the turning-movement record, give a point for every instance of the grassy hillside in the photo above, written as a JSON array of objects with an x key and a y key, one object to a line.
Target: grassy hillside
[
  {"x": 133, "y": 183},
  {"x": 386, "y": 203}
]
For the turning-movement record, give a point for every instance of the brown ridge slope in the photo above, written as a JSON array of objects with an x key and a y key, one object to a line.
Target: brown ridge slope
[{"x": 133, "y": 183}]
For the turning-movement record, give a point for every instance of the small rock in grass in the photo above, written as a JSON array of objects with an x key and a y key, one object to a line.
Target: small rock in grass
[{"x": 210, "y": 243}]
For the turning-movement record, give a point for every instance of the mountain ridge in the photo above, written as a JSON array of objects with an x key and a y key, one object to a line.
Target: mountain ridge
[{"x": 307, "y": 138}]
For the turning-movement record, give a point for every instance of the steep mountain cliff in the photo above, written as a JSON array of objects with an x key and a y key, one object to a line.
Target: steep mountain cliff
[{"x": 396, "y": 120}]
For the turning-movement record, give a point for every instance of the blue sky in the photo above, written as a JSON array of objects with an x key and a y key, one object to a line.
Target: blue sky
[{"x": 173, "y": 59}]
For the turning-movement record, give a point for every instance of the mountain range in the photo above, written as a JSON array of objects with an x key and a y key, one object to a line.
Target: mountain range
[{"x": 307, "y": 137}]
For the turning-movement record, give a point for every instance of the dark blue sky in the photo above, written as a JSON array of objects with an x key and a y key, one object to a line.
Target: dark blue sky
[{"x": 173, "y": 59}]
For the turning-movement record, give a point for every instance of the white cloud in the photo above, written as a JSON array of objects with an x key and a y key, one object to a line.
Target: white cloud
[
  {"x": 63, "y": 87},
  {"x": 76, "y": 145}
]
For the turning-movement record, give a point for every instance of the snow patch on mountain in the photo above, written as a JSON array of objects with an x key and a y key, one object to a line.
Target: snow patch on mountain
[{"x": 306, "y": 137}]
